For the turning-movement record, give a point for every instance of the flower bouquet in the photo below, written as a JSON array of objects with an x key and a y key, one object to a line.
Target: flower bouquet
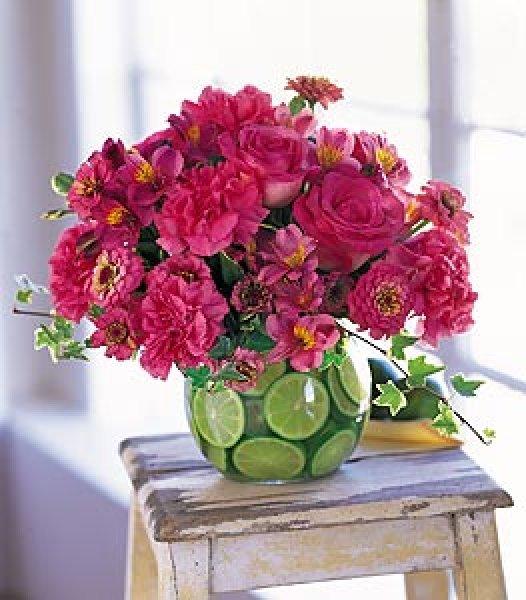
[{"x": 247, "y": 247}]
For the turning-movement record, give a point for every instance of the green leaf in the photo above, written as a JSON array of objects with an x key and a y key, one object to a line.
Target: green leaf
[
  {"x": 445, "y": 421},
  {"x": 198, "y": 375},
  {"x": 419, "y": 369},
  {"x": 56, "y": 213},
  {"x": 257, "y": 340},
  {"x": 229, "y": 373},
  {"x": 400, "y": 342},
  {"x": 230, "y": 269},
  {"x": 297, "y": 104},
  {"x": 24, "y": 296},
  {"x": 391, "y": 397},
  {"x": 61, "y": 183},
  {"x": 331, "y": 358},
  {"x": 223, "y": 348},
  {"x": 465, "y": 387},
  {"x": 489, "y": 433},
  {"x": 96, "y": 311}
]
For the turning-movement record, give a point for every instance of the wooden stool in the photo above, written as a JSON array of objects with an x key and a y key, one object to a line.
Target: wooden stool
[{"x": 193, "y": 532}]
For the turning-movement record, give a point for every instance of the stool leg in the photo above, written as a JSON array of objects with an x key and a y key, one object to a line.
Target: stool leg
[
  {"x": 480, "y": 575},
  {"x": 184, "y": 571},
  {"x": 427, "y": 585},
  {"x": 141, "y": 576}
]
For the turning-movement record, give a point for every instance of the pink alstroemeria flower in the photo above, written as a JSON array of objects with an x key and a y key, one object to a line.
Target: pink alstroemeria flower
[{"x": 301, "y": 339}]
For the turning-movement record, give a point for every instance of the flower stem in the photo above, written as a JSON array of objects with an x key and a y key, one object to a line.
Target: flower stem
[
  {"x": 32, "y": 313},
  {"x": 446, "y": 401}
]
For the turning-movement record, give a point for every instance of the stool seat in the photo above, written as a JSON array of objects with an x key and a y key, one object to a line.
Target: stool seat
[{"x": 387, "y": 510}]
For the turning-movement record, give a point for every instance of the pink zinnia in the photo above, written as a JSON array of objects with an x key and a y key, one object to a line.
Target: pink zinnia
[
  {"x": 251, "y": 296},
  {"x": 181, "y": 322},
  {"x": 301, "y": 296},
  {"x": 210, "y": 209},
  {"x": 381, "y": 300},
  {"x": 71, "y": 270},
  {"x": 315, "y": 89},
  {"x": 118, "y": 329},
  {"x": 117, "y": 273},
  {"x": 291, "y": 254},
  {"x": 88, "y": 189},
  {"x": 301, "y": 339},
  {"x": 442, "y": 204},
  {"x": 249, "y": 363}
]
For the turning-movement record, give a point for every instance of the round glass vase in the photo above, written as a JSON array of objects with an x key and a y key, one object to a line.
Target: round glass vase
[{"x": 290, "y": 426}]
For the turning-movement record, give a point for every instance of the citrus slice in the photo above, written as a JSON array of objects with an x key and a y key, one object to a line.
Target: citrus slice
[
  {"x": 267, "y": 458},
  {"x": 219, "y": 416},
  {"x": 269, "y": 375},
  {"x": 344, "y": 403},
  {"x": 330, "y": 455},
  {"x": 217, "y": 456},
  {"x": 296, "y": 406},
  {"x": 351, "y": 382}
]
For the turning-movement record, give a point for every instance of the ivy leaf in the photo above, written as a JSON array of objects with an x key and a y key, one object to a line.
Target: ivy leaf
[
  {"x": 58, "y": 339},
  {"x": 24, "y": 296},
  {"x": 229, "y": 373},
  {"x": 257, "y": 340},
  {"x": 391, "y": 397},
  {"x": 331, "y": 358},
  {"x": 230, "y": 269},
  {"x": 61, "y": 183},
  {"x": 465, "y": 387},
  {"x": 445, "y": 421},
  {"x": 419, "y": 369},
  {"x": 223, "y": 348},
  {"x": 56, "y": 213},
  {"x": 198, "y": 375},
  {"x": 489, "y": 433},
  {"x": 297, "y": 104},
  {"x": 400, "y": 342}
]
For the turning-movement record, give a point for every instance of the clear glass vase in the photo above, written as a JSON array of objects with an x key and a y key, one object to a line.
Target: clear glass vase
[{"x": 291, "y": 426}]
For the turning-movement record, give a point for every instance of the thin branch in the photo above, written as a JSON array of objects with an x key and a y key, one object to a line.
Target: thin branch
[{"x": 32, "y": 313}]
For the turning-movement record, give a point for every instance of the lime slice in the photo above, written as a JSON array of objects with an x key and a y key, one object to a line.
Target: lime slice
[
  {"x": 330, "y": 455},
  {"x": 268, "y": 458},
  {"x": 217, "y": 456},
  {"x": 269, "y": 375},
  {"x": 351, "y": 382},
  {"x": 219, "y": 416},
  {"x": 344, "y": 403},
  {"x": 296, "y": 406}
]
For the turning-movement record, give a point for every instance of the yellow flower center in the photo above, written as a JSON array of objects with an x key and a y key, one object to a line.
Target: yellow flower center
[
  {"x": 388, "y": 300},
  {"x": 105, "y": 275},
  {"x": 386, "y": 159},
  {"x": 328, "y": 155},
  {"x": 297, "y": 258},
  {"x": 144, "y": 173},
  {"x": 193, "y": 133},
  {"x": 116, "y": 215},
  {"x": 305, "y": 336}
]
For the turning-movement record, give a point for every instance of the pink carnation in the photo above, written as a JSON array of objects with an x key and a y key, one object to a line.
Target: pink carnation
[
  {"x": 440, "y": 277},
  {"x": 301, "y": 339},
  {"x": 118, "y": 329},
  {"x": 210, "y": 209},
  {"x": 190, "y": 268},
  {"x": 304, "y": 295},
  {"x": 442, "y": 204},
  {"x": 291, "y": 254},
  {"x": 277, "y": 155},
  {"x": 181, "y": 322},
  {"x": 381, "y": 300},
  {"x": 117, "y": 273},
  {"x": 71, "y": 270},
  {"x": 250, "y": 364},
  {"x": 349, "y": 217}
]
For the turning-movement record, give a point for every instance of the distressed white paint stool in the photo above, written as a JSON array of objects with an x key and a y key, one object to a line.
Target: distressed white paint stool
[{"x": 193, "y": 533}]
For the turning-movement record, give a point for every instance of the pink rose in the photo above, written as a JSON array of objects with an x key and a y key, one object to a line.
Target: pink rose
[
  {"x": 350, "y": 218},
  {"x": 278, "y": 156}
]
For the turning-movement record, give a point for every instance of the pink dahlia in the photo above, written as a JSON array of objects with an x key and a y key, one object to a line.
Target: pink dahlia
[
  {"x": 349, "y": 217},
  {"x": 148, "y": 182},
  {"x": 117, "y": 273},
  {"x": 118, "y": 329},
  {"x": 304, "y": 295},
  {"x": 440, "y": 277},
  {"x": 71, "y": 269},
  {"x": 315, "y": 89},
  {"x": 443, "y": 205},
  {"x": 210, "y": 209},
  {"x": 381, "y": 300},
  {"x": 250, "y": 364},
  {"x": 291, "y": 255},
  {"x": 301, "y": 339},
  {"x": 277, "y": 155},
  {"x": 251, "y": 296},
  {"x": 181, "y": 322},
  {"x": 380, "y": 160}
]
